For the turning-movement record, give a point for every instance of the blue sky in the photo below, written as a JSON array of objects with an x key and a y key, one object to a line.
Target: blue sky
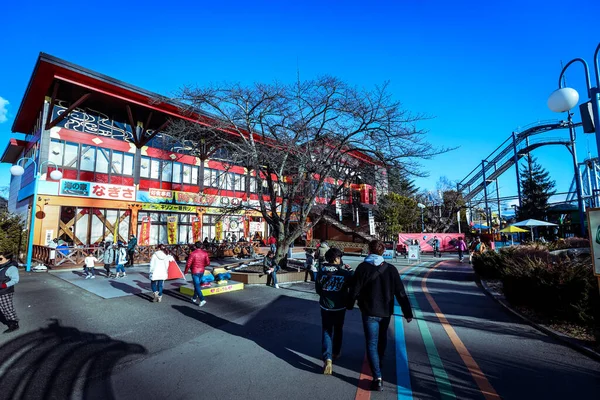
[{"x": 482, "y": 70}]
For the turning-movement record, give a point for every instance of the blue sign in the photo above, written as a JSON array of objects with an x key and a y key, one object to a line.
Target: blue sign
[{"x": 75, "y": 188}]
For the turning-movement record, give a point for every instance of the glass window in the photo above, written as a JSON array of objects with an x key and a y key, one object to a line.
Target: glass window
[
  {"x": 187, "y": 174},
  {"x": 167, "y": 171},
  {"x": 103, "y": 157},
  {"x": 145, "y": 167},
  {"x": 242, "y": 179},
  {"x": 117, "y": 162},
  {"x": 154, "y": 169},
  {"x": 71, "y": 155},
  {"x": 128, "y": 164},
  {"x": 220, "y": 179},
  {"x": 252, "y": 185},
  {"x": 194, "y": 176},
  {"x": 88, "y": 158},
  {"x": 57, "y": 149},
  {"x": 177, "y": 169},
  {"x": 207, "y": 177}
]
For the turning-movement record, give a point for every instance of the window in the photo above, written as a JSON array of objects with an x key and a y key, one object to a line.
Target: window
[
  {"x": 194, "y": 176},
  {"x": 154, "y": 169},
  {"x": 117, "y": 162},
  {"x": 177, "y": 169},
  {"x": 207, "y": 177},
  {"x": 252, "y": 185},
  {"x": 128, "y": 164},
  {"x": 102, "y": 160},
  {"x": 167, "y": 171},
  {"x": 187, "y": 173},
  {"x": 71, "y": 155},
  {"x": 57, "y": 149},
  {"x": 88, "y": 158},
  {"x": 145, "y": 167}
]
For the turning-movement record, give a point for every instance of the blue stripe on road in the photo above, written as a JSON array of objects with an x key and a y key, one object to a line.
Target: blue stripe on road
[{"x": 403, "y": 388}]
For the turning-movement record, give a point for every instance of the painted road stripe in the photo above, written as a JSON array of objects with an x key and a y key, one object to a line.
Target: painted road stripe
[
  {"x": 439, "y": 373},
  {"x": 484, "y": 385},
  {"x": 363, "y": 391}
]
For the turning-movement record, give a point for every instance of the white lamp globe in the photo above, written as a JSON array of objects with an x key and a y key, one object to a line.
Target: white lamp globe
[
  {"x": 17, "y": 170},
  {"x": 562, "y": 100},
  {"x": 420, "y": 205},
  {"x": 56, "y": 175}
]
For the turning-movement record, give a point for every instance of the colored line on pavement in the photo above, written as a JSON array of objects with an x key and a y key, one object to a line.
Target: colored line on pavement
[
  {"x": 439, "y": 373},
  {"x": 363, "y": 391},
  {"x": 484, "y": 385}
]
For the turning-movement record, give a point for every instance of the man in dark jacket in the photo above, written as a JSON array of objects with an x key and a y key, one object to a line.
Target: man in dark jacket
[
  {"x": 333, "y": 280},
  {"x": 197, "y": 262},
  {"x": 375, "y": 285},
  {"x": 131, "y": 245}
]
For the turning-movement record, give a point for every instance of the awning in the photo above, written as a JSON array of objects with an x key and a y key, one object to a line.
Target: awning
[{"x": 13, "y": 150}]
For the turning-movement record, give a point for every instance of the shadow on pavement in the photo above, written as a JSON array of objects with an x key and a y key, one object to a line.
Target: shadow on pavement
[
  {"x": 287, "y": 337},
  {"x": 57, "y": 362}
]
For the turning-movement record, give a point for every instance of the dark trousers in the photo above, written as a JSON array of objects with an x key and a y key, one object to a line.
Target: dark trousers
[
  {"x": 376, "y": 339},
  {"x": 107, "y": 269},
  {"x": 460, "y": 255},
  {"x": 333, "y": 332},
  {"x": 130, "y": 254},
  {"x": 307, "y": 273}
]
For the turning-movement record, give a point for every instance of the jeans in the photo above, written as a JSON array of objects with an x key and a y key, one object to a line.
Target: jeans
[
  {"x": 273, "y": 248},
  {"x": 376, "y": 338},
  {"x": 333, "y": 325},
  {"x": 89, "y": 271},
  {"x": 120, "y": 268},
  {"x": 157, "y": 286},
  {"x": 196, "y": 278},
  {"x": 273, "y": 276},
  {"x": 460, "y": 255}
]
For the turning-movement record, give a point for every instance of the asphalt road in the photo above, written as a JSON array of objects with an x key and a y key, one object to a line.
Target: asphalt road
[{"x": 264, "y": 343}]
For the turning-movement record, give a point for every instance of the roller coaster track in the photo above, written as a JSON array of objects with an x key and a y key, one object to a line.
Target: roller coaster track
[{"x": 503, "y": 157}]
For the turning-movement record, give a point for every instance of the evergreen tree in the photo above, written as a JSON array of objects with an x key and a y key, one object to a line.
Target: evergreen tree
[
  {"x": 399, "y": 183},
  {"x": 536, "y": 189},
  {"x": 395, "y": 214}
]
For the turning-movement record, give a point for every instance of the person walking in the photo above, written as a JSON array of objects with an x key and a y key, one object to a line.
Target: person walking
[
  {"x": 131, "y": 246},
  {"x": 159, "y": 271},
  {"x": 309, "y": 265},
  {"x": 9, "y": 277},
  {"x": 331, "y": 284},
  {"x": 476, "y": 247},
  {"x": 108, "y": 257},
  {"x": 375, "y": 285},
  {"x": 196, "y": 263},
  {"x": 88, "y": 266},
  {"x": 121, "y": 260},
  {"x": 436, "y": 247},
  {"x": 461, "y": 247},
  {"x": 321, "y": 251},
  {"x": 270, "y": 268}
]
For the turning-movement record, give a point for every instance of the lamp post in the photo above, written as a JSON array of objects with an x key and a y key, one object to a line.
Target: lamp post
[
  {"x": 18, "y": 170},
  {"x": 422, "y": 207}
]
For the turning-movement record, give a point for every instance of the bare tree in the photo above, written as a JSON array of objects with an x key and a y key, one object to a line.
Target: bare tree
[
  {"x": 302, "y": 144},
  {"x": 443, "y": 204}
]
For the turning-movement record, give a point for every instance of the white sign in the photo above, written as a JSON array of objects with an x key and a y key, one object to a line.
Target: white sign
[
  {"x": 414, "y": 253},
  {"x": 49, "y": 236},
  {"x": 371, "y": 223},
  {"x": 338, "y": 209},
  {"x": 255, "y": 227},
  {"x": 594, "y": 227},
  {"x": 388, "y": 254},
  {"x": 96, "y": 190}
]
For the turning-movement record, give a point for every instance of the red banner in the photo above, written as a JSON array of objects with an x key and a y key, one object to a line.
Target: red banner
[
  {"x": 144, "y": 239},
  {"x": 447, "y": 240},
  {"x": 196, "y": 230}
]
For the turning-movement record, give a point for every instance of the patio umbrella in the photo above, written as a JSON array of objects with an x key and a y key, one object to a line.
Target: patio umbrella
[
  {"x": 480, "y": 226},
  {"x": 512, "y": 229},
  {"x": 532, "y": 223}
]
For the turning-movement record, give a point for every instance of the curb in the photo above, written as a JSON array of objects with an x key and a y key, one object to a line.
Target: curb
[{"x": 561, "y": 337}]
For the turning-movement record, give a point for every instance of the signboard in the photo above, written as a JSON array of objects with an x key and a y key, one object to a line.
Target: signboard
[
  {"x": 255, "y": 227},
  {"x": 172, "y": 229},
  {"x": 594, "y": 227},
  {"x": 414, "y": 253},
  {"x": 49, "y": 236},
  {"x": 371, "y": 223},
  {"x": 189, "y": 198},
  {"x": 168, "y": 208},
  {"x": 338, "y": 209},
  {"x": 96, "y": 190},
  {"x": 388, "y": 254},
  {"x": 145, "y": 232},
  {"x": 196, "y": 229}
]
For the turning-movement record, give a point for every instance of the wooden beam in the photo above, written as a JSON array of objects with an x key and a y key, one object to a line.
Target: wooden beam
[
  {"x": 132, "y": 123},
  {"x": 148, "y": 138},
  {"x": 68, "y": 111},
  {"x": 147, "y": 124},
  {"x": 52, "y": 100}
]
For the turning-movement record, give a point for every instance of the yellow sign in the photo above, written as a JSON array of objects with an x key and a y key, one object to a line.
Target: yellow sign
[
  {"x": 169, "y": 207},
  {"x": 172, "y": 230}
]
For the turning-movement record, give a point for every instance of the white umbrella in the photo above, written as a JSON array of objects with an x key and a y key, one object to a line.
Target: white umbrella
[{"x": 532, "y": 223}]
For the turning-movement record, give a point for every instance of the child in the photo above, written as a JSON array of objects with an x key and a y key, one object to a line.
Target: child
[
  {"x": 88, "y": 268},
  {"x": 121, "y": 261},
  {"x": 309, "y": 264}
]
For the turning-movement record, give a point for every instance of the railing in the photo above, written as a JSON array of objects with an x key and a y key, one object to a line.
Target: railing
[{"x": 74, "y": 256}]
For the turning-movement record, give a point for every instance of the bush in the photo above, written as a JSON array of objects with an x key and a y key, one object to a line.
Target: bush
[
  {"x": 569, "y": 243},
  {"x": 488, "y": 265}
]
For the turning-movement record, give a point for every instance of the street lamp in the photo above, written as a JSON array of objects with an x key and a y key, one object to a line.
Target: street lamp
[
  {"x": 18, "y": 170},
  {"x": 422, "y": 207}
]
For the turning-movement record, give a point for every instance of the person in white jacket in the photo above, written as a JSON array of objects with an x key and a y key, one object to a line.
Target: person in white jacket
[{"x": 159, "y": 271}]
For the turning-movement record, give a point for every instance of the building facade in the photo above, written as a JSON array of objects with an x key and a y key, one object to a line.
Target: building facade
[{"x": 121, "y": 175}]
